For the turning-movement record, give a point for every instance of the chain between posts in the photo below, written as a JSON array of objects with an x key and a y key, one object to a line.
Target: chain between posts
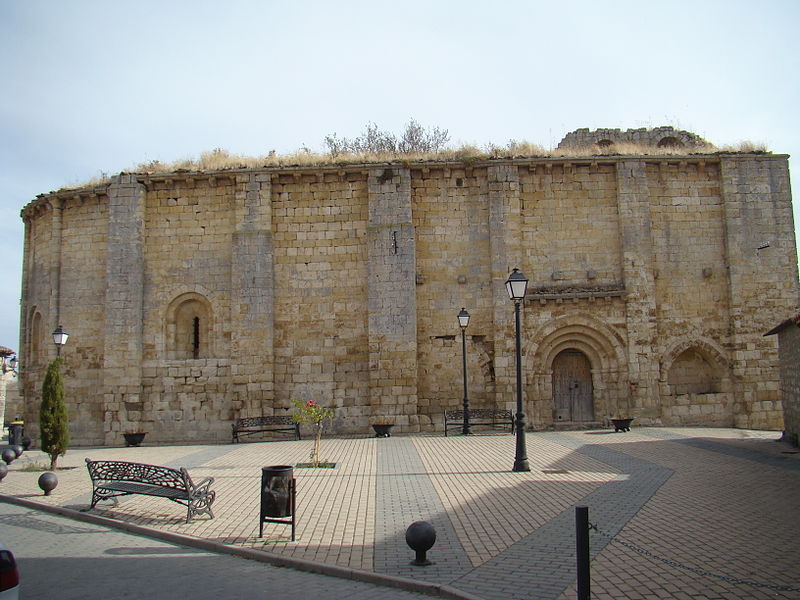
[{"x": 695, "y": 570}]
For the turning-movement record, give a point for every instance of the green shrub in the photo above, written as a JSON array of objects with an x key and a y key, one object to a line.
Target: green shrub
[{"x": 53, "y": 418}]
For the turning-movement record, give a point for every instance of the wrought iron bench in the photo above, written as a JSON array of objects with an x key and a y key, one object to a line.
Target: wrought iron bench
[
  {"x": 112, "y": 478},
  {"x": 251, "y": 425},
  {"x": 496, "y": 418}
]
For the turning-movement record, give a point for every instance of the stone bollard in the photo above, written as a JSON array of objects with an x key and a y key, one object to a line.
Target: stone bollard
[
  {"x": 48, "y": 482},
  {"x": 420, "y": 536},
  {"x": 8, "y": 456}
]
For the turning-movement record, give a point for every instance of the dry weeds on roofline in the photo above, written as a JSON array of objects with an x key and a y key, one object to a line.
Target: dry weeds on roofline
[{"x": 222, "y": 160}]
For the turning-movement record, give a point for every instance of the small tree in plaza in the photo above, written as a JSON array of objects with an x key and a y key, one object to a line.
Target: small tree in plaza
[
  {"x": 312, "y": 413},
  {"x": 53, "y": 418}
]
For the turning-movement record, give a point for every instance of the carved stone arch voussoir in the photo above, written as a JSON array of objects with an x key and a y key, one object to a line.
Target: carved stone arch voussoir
[
  {"x": 200, "y": 295},
  {"x": 601, "y": 343},
  {"x": 708, "y": 348}
]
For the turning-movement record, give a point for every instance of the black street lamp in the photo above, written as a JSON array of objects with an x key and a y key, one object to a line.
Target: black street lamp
[
  {"x": 59, "y": 339},
  {"x": 463, "y": 322},
  {"x": 517, "y": 285}
]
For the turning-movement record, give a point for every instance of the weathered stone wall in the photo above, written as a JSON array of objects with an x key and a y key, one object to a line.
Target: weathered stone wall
[
  {"x": 451, "y": 223},
  {"x": 762, "y": 272},
  {"x": 320, "y": 281},
  {"x": 789, "y": 342},
  {"x": 64, "y": 277},
  {"x": 190, "y": 247},
  {"x": 195, "y": 298},
  {"x": 10, "y": 405}
]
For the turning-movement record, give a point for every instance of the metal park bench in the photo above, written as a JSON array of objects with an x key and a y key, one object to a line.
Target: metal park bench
[
  {"x": 251, "y": 425},
  {"x": 496, "y": 418},
  {"x": 112, "y": 478}
]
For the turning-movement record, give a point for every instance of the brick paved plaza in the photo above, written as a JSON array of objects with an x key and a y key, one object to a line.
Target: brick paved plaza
[{"x": 722, "y": 503}]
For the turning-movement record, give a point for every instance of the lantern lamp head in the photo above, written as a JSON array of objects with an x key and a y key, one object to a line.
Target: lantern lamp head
[
  {"x": 60, "y": 336},
  {"x": 516, "y": 285}
]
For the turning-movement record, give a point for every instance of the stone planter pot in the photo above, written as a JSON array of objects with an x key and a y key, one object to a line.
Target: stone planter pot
[
  {"x": 134, "y": 439},
  {"x": 383, "y": 429},
  {"x": 622, "y": 424}
]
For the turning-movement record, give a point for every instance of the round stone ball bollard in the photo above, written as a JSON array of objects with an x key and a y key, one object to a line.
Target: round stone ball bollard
[
  {"x": 48, "y": 482},
  {"x": 8, "y": 456},
  {"x": 17, "y": 449},
  {"x": 421, "y": 536},
  {"x": 3, "y": 471}
]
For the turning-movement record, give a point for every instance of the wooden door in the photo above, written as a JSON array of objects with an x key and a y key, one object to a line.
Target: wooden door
[{"x": 573, "y": 396}]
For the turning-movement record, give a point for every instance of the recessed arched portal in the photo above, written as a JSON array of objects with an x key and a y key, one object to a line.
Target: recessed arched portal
[
  {"x": 573, "y": 393},
  {"x": 603, "y": 364}
]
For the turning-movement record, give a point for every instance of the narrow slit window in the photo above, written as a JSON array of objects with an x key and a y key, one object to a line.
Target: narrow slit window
[{"x": 196, "y": 337}]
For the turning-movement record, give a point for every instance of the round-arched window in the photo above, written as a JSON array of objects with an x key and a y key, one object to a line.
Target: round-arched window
[{"x": 189, "y": 327}]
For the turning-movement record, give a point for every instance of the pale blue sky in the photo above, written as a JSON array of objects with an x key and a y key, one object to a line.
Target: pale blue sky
[{"x": 91, "y": 87}]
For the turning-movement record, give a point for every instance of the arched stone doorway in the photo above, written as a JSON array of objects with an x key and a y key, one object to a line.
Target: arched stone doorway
[
  {"x": 603, "y": 370},
  {"x": 573, "y": 393}
]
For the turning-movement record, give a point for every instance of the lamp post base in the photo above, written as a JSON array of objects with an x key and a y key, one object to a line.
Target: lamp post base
[
  {"x": 521, "y": 451},
  {"x": 521, "y": 465}
]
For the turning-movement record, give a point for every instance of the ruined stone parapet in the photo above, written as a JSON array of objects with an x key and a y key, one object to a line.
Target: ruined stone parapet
[{"x": 658, "y": 137}]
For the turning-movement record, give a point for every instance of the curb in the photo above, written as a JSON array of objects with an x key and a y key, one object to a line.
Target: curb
[{"x": 299, "y": 564}]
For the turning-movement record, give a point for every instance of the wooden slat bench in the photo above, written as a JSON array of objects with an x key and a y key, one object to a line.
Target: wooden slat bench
[
  {"x": 112, "y": 478},
  {"x": 251, "y": 425},
  {"x": 496, "y": 418}
]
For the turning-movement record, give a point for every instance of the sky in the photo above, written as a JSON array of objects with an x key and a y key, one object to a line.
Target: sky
[{"x": 97, "y": 87}]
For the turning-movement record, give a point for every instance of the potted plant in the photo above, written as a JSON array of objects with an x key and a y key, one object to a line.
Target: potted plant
[
  {"x": 383, "y": 427},
  {"x": 312, "y": 413},
  {"x": 134, "y": 438}
]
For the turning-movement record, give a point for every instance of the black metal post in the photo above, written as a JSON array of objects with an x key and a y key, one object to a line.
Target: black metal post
[
  {"x": 521, "y": 457},
  {"x": 293, "y": 489},
  {"x": 582, "y": 551},
  {"x": 466, "y": 428}
]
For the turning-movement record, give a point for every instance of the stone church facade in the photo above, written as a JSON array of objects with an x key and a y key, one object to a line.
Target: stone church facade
[{"x": 194, "y": 298}]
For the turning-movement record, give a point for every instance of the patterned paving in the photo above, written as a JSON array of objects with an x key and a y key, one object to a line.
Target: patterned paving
[{"x": 682, "y": 513}]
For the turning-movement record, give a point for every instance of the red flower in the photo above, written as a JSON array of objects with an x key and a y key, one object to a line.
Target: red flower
[{"x": 311, "y": 403}]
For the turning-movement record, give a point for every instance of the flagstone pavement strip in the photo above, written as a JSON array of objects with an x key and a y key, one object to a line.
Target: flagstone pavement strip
[
  {"x": 655, "y": 487},
  {"x": 542, "y": 564},
  {"x": 405, "y": 494},
  {"x": 490, "y": 506},
  {"x": 716, "y": 524},
  {"x": 744, "y": 453},
  {"x": 201, "y": 457}
]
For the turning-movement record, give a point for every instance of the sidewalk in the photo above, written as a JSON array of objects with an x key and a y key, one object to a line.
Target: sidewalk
[{"x": 721, "y": 503}]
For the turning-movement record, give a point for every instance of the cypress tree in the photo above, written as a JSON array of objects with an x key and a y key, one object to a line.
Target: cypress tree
[{"x": 53, "y": 418}]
